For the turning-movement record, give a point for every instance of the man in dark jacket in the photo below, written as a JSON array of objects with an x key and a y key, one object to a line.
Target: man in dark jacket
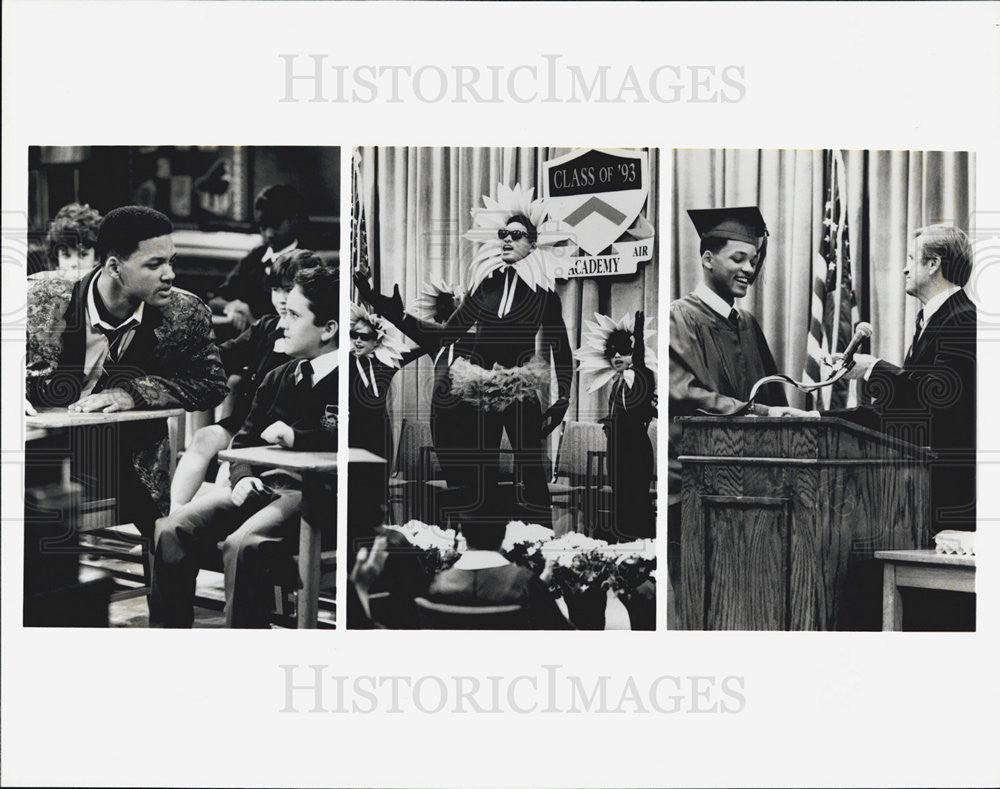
[{"x": 124, "y": 338}]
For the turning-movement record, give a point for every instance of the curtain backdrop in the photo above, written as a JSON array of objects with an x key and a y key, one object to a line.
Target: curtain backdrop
[
  {"x": 418, "y": 203},
  {"x": 889, "y": 195}
]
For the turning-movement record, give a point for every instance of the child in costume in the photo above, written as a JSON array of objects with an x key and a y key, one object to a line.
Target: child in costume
[{"x": 616, "y": 353}]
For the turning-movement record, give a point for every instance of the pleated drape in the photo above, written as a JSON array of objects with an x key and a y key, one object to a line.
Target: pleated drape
[{"x": 889, "y": 195}]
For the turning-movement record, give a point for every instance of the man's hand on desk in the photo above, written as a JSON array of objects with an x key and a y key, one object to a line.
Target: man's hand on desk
[
  {"x": 279, "y": 433},
  {"x": 245, "y": 488},
  {"x": 786, "y": 410},
  {"x": 108, "y": 401}
]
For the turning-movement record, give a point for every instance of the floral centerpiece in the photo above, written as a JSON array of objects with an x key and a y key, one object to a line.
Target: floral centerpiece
[
  {"x": 633, "y": 570},
  {"x": 441, "y": 547},
  {"x": 523, "y": 542},
  {"x": 581, "y": 567}
]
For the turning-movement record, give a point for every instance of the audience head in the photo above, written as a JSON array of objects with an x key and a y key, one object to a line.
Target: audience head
[
  {"x": 484, "y": 534},
  {"x": 278, "y": 211},
  {"x": 136, "y": 251},
  {"x": 312, "y": 313},
  {"x": 72, "y": 237},
  {"x": 941, "y": 255}
]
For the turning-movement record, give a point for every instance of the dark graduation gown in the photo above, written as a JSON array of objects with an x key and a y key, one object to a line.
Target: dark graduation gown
[{"x": 713, "y": 366}]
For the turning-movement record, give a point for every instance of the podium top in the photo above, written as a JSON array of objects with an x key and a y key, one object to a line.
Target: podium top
[{"x": 810, "y": 429}]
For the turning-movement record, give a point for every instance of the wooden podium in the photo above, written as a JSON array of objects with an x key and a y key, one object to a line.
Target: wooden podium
[{"x": 781, "y": 518}]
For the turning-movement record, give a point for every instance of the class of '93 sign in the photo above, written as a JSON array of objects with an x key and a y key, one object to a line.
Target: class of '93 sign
[{"x": 597, "y": 197}]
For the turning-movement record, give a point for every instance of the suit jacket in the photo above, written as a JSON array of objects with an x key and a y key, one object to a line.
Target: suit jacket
[
  {"x": 279, "y": 398},
  {"x": 931, "y": 401},
  {"x": 247, "y": 281},
  {"x": 171, "y": 362},
  {"x": 251, "y": 355}
]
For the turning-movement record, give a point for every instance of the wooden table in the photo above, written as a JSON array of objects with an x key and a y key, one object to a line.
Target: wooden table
[
  {"x": 50, "y": 419},
  {"x": 313, "y": 466},
  {"x": 923, "y": 569}
]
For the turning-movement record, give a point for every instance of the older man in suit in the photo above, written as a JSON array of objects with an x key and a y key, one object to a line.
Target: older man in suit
[
  {"x": 124, "y": 338},
  {"x": 931, "y": 399}
]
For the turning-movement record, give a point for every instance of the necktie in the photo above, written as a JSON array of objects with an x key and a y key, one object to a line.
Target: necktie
[
  {"x": 304, "y": 374},
  {"x": 916, "y": 336},
  {"x": 116, "y": 337},
  {"x": 507, "y": 299},
  {"x": 734, "y": 318}
]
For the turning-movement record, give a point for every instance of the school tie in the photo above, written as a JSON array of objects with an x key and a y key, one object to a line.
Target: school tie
[
  {"x": 304, "y": 375},
  {"x": 734, "y": 318},
  {"x": 916, "y": 336}
]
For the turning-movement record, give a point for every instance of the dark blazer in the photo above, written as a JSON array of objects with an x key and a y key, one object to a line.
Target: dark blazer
[
  {"x": 508, "y": 341},
  {"x": 931, "y": 401},
  {"x": 247, "y": 281},
  {"x": 303, "y": 410},
  {"x": 171, "y": 362},
  {"x": 251, "y": 355}
]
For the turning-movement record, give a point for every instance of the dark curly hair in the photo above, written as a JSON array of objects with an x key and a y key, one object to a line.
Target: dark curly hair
[
  {"x": 287, "y": 265},
  {"x": 74, "y": 228},
  {"x": 321, "y": 287}
]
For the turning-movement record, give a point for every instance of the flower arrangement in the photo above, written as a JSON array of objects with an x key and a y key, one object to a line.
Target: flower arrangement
[
  {"x": 522, "y": 545},
  {"x": 633, "y": 564},
  {"x": 441, "y": 547}
]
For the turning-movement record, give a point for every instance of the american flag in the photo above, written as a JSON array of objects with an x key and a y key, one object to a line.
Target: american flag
[
  {"x": 359, "y": 233},
  {"x": 834, "y": 309}
]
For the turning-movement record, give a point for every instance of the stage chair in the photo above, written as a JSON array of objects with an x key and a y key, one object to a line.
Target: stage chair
[
  {"x": 442, "y": 616},
  {"x": 407, "y": 475},
  {"x": 571, "y": 463}
]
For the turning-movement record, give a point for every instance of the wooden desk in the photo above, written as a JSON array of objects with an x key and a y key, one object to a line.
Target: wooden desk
[
  {"x": 312, "y": 466},
  {"x": 50, "y": 419},
  {"x": 923, "y": 569}
]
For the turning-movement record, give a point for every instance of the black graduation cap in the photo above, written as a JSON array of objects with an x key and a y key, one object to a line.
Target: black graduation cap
[{"x": 742, "y": 223}]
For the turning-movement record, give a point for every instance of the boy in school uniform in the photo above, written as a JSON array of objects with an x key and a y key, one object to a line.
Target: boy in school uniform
[
  {"x": 258, "y": 520},
  {"x": 251, "y": 356}
]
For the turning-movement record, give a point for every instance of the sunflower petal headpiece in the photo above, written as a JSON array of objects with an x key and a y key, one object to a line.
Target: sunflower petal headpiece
[
  {"x": 592, "y": 354},
  {"x": 538, "y": 268},
  {"x": 389, "y": 343},
  {"x": 436, "y": 298}
]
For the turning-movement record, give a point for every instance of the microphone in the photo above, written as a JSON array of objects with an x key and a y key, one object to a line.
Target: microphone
[{"x": 861, "y": 333}]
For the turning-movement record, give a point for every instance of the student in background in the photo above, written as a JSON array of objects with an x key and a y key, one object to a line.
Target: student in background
[
  {"x": 251, "y": 355},
  {"x": 245, "y": 294},
  {"x": 70, "y": 243},
  {"x": 257, "y": 514}
]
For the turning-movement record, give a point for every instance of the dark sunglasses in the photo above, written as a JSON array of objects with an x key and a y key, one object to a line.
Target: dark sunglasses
[
  {"x": 360, "y": 335},
  {"x": 515, "y": 235}
]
